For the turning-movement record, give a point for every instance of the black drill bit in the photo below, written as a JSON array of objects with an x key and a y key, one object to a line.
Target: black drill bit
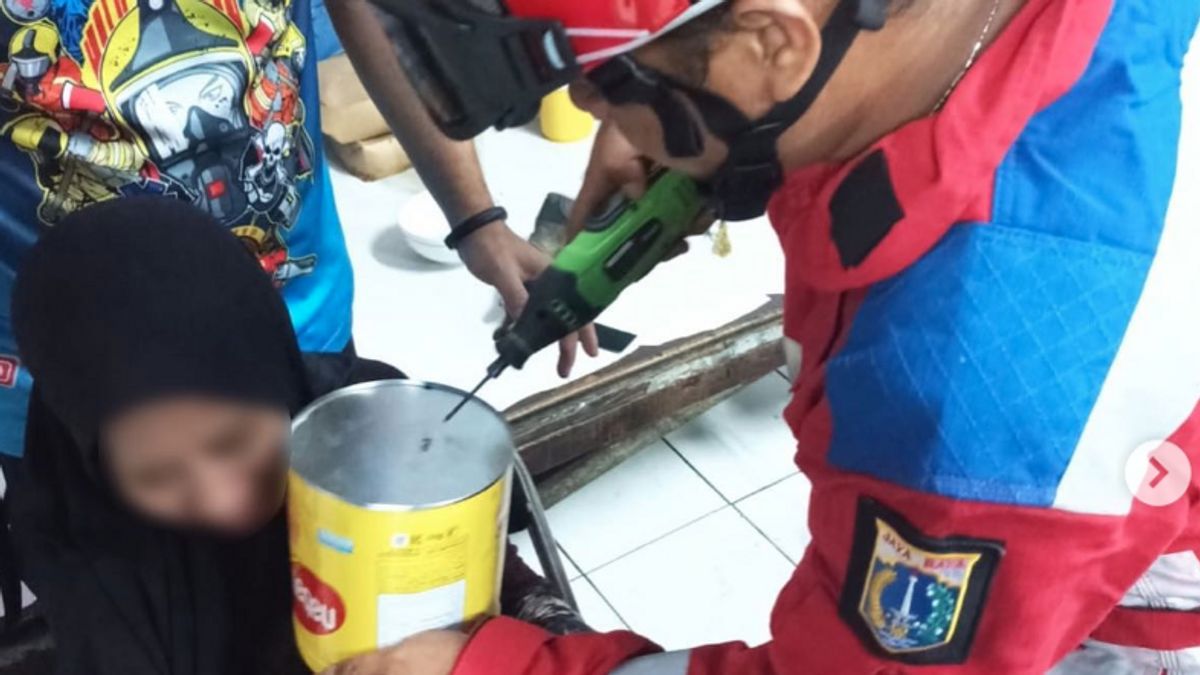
[
  {"x": 493, "y": 372},
  {"x": 468, "y": 397}
]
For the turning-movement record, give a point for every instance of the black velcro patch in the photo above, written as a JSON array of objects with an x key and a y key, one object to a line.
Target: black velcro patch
[
  {"x": 864, "y": 209},
  {"x": 913, "y": 598}
]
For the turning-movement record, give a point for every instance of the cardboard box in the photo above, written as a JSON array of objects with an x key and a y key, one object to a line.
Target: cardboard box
[
  {"x": 373, "y": 158},
  {"x": 347, "y": 113}
]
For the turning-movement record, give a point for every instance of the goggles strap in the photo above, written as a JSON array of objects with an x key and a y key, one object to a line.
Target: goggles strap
[
  {"x": 751, "y": 173},
  {"x": 622, "y": 81}
]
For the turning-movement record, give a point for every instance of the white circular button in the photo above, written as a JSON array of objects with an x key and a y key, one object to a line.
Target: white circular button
[{"x": 1158, "y": 473}]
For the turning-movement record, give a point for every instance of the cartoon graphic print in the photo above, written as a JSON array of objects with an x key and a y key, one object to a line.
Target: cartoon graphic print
[
  {"x": 70, "y": 16},
  {"x": 22, "y": 11},
  {"x": 10, "y": 367},
  {"x": 59, "y": 122},
  {"x": 187, "y": 98},
  {"x": 39, "y": 75}
]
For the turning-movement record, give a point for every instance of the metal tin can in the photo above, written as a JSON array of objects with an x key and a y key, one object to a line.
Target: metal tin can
[{"x": 396, "y": 519}]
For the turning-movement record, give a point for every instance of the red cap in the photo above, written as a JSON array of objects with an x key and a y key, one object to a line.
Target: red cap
[{"x": 601, "y": 29}]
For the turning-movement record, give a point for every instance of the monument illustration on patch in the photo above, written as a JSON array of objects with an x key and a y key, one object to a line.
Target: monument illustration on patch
[{"x": 912, "y": 599}]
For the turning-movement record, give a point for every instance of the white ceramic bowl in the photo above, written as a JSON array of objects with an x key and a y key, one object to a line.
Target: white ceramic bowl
[{"x": 425, "y": 229}]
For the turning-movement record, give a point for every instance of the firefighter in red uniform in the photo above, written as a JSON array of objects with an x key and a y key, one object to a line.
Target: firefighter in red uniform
[
  {"x": 991, "y": 314},
  {"x": 40, "y": 74}
]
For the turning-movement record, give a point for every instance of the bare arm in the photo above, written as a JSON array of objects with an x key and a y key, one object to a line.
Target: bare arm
[{"x": 449, "y": 168}]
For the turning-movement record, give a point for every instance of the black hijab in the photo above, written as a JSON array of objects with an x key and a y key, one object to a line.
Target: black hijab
[{"x": 122, "y": 302}]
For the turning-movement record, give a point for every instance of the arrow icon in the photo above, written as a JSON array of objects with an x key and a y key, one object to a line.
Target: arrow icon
[
  {"x": 1158, "y": 473},
  {"x": 1162, "y": 472}
]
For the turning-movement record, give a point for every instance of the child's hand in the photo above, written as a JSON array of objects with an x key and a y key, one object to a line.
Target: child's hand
[{"x": 430, "y": 653}]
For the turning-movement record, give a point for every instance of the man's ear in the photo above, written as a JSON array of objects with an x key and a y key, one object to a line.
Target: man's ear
[{"x": 785, "y": 38}]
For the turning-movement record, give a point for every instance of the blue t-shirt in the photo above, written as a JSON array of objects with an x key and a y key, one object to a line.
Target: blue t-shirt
[{"x": 211, "y": 101}]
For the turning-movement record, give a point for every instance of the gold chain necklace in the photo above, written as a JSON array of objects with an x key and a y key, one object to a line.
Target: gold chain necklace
[{"x": 987, "y": 30}]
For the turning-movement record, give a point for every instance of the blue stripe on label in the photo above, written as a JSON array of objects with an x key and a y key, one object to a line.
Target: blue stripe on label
[
  {"x": 972, "y": 374},
  {"x": 335, "y": 542}
]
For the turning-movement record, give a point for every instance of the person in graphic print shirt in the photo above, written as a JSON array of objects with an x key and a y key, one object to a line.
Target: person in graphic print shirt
[{"x": 209, "y": 101}]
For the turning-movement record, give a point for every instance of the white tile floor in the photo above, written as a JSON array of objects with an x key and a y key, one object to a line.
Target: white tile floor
[{"x": 689, "y": 541}]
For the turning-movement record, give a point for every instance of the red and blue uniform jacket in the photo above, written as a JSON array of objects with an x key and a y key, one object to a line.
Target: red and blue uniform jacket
[{"x": 992, "y": 317}]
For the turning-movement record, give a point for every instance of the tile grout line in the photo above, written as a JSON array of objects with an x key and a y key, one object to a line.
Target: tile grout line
[
  {"x": 664, "y": 535},
  {"x": 587, "y": 573},
  {"x": 606, "y": 601},
  {"x": 731, "y": 502},
  {"x": 764, "y": 535},
  {"x": 571, "y": 560},
  {"x": 691, "y": 466},
  {"x": 584, "y": 573},
  {"x": 764, "y": 488},
  {"x": 734, "y": 504}
]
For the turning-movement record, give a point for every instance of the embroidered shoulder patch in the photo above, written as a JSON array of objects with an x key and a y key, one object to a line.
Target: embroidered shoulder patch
[{"x": 913, "y": 598}]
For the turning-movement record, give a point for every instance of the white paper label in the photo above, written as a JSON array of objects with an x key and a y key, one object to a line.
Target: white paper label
[{"x": 408, "y": 614}]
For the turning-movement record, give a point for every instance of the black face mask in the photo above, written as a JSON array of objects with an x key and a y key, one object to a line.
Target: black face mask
[{"x": 751, "y": 173}]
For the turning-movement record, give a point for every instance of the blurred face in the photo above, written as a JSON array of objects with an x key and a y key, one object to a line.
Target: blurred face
[{"x": 200, "y": 463}]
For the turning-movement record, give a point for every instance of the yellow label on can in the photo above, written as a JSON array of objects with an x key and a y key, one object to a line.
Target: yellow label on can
[{"x": 367, "y": 578}]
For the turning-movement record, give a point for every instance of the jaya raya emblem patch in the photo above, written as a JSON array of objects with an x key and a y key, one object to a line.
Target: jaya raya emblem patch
[{"x": 913, "y": 598}]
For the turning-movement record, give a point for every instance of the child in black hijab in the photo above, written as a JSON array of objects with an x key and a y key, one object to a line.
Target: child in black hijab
[{"x": 148, "y": 509}]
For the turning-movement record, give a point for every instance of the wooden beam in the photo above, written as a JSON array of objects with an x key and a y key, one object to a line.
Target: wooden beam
[{"x": 648, "y": 393}]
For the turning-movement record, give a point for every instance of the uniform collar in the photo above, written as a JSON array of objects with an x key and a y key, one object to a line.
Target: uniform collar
[{"x": 851, "y": 224}]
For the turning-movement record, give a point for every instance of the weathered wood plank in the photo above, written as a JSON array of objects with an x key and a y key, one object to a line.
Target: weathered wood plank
[{"x": 648, "y": 393}]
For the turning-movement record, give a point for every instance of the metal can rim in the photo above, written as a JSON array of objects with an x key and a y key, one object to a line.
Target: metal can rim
[{"x": 503, "y": 474}]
